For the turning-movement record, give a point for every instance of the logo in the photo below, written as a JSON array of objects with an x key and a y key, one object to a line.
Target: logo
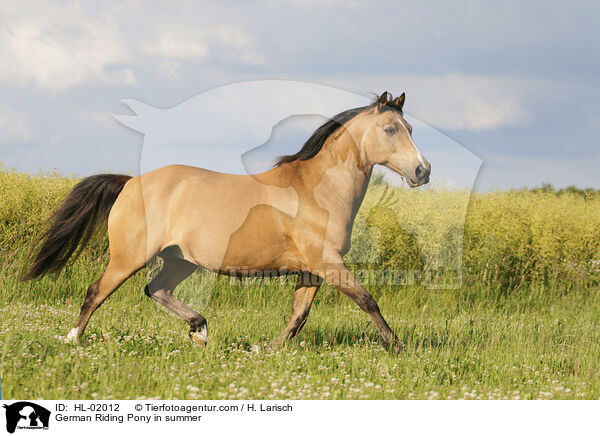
[
  {"x": 399, "y": 244},
  {"x": 26, "y": 415}
]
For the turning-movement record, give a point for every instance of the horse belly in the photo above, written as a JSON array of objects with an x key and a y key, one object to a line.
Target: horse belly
[
  {"x": 253, "y": 240},
  {"x": 261, "y": 243}
]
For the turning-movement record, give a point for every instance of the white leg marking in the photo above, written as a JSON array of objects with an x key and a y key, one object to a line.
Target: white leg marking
[
  {"x": 72, "y": 336},
  {"x": 203, "y": 333}
]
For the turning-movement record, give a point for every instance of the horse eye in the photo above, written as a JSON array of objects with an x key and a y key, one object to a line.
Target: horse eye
[{"x": 390, "y": 130}]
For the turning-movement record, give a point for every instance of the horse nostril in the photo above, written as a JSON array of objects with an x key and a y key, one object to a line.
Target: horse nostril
[{"x": 421, "y": 172}]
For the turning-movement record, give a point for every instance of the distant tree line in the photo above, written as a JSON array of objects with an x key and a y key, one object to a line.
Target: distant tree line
[{"x": 572, "y": 189}]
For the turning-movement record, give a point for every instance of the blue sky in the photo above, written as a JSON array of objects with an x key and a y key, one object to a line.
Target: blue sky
[{"x": 516, "y": 83}]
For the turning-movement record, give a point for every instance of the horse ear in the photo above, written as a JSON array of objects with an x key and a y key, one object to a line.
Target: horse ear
[
  {"x": 384, "y": 98},
  {"x": 399, "y": 102}
]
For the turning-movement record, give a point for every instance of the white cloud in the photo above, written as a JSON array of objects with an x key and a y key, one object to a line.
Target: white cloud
[
  {"x": 58, "y": 45},
  {"x": 458, "y": 102},
  {"x": 14, "y": 127},
  {"x": 176, "y": 44},
  {"x": 454, "y": 101}
]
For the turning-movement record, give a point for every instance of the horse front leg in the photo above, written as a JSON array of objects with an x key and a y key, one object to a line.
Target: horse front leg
[{"x": 338, "y": 276}]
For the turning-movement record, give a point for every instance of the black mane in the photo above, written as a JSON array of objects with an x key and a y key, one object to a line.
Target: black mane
[{"x": 314, "y": 144}]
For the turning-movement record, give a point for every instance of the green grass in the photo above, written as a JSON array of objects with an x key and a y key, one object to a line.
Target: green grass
[
  {"x": 534, "y": 334},
  {"x": 458, "y": 345}
]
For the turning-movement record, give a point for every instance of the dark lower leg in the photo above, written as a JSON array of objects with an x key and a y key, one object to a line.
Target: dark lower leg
[
  {"x": 305, "y": 292},
  {"x": 89, "y": 305},
  {"x": 345, "y": 282},
  {"x": 165, "y": 298},
  {"x": 369, "y": 305},
  {"x": 97, "y": 293},
  {"x": 161, "y": 291}
]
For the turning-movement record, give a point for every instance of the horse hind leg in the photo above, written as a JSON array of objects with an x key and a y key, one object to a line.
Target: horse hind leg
[
  {"x": 161, "y": 288},
  {"x": 306, "y": 289},
  {"x": 99, "y": 291}
]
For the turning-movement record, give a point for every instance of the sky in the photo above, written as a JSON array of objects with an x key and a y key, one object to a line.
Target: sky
[{"x": 517, "y": 84}]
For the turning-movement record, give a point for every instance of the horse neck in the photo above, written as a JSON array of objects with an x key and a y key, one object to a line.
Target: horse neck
[{"x": 339, "y": 170}]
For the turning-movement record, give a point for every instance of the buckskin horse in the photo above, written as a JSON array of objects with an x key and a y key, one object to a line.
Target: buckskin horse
[{"x": 293, "y": 219}]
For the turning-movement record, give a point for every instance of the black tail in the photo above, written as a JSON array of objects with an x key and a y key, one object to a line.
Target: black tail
[{"x": 74, "y": 223}]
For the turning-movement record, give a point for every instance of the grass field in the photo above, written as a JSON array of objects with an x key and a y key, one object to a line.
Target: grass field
[{"x": 524, "y": 324}]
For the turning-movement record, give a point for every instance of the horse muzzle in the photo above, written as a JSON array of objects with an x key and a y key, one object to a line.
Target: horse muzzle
[{"x": 422, "y": 173}]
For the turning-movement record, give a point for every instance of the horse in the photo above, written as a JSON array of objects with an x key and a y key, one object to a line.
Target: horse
[{"x": 295, "y": 219}]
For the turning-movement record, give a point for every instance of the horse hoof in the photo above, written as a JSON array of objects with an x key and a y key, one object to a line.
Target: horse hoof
[
  {"x": 200, "y": 337},
  {"x": 274, "y": 346},
  {"x": 399, "y": 348}
]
